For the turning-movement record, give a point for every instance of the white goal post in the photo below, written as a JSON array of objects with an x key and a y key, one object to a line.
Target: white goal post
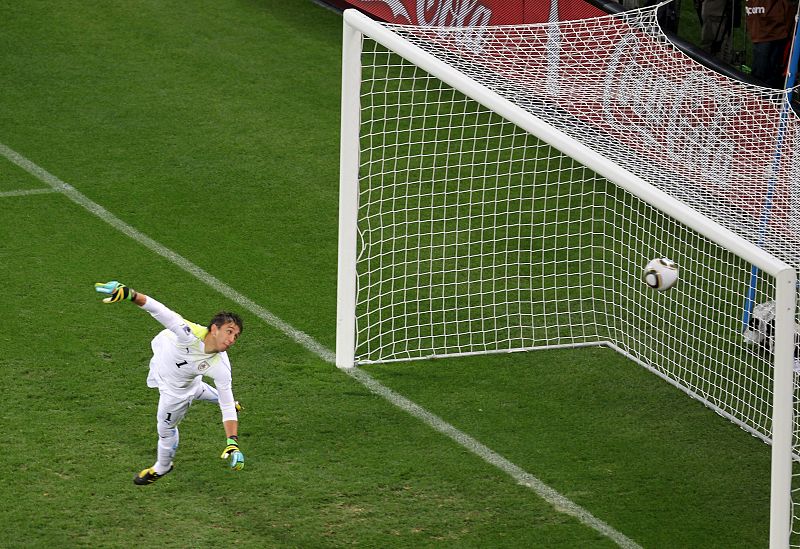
[{"x": 501, "y": 189}]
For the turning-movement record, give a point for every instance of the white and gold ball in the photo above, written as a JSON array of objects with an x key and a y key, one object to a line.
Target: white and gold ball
[{"x": 661, "y": 274}]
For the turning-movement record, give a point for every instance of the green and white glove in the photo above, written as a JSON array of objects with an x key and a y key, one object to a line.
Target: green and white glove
[
  {"x": 115, "y": 291},
  {"x": 232, "y": 453}
]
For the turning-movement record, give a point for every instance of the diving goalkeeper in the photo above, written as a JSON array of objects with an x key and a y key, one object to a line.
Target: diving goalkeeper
[{"x": 183, "y": 353}]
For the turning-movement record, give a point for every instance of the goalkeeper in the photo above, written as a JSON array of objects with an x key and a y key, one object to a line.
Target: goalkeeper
[{"x": 183, "y": 353}]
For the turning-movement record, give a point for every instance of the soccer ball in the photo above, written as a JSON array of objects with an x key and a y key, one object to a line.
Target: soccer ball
[{"x": 661, "y": 274}]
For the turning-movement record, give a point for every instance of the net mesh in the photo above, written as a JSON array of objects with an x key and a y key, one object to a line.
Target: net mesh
[
  {"x": 619, "y": 86},
  {"x": 477, "y": 237}
]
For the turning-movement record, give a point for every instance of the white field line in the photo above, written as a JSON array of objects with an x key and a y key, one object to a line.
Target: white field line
[
  {"x": 26, "y": 192},
  {"x": 559, "y": 502}
]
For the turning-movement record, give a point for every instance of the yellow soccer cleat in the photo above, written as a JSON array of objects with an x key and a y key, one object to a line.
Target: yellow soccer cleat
[{"x": 149, "y": 476}]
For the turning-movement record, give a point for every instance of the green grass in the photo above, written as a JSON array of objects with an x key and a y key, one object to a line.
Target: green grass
[{"x": 212, "y": 127}]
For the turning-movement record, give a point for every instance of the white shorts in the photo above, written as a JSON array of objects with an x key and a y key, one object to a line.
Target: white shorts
[{"x": 171, "y": 410}]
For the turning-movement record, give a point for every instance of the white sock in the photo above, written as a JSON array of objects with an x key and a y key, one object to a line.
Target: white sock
[{"x": 167, "y": 446}]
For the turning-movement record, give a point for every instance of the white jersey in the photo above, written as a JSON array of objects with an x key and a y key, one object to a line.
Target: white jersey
[{"x": 179, "y": 360}]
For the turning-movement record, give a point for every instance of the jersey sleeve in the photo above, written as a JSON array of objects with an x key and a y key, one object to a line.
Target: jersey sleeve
[
  {"x": 221, "y": 374},
  {"x": 169, "y": 319}
]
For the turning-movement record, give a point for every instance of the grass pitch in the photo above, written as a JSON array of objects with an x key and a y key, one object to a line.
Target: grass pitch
[{"x": 212, "y": 127}]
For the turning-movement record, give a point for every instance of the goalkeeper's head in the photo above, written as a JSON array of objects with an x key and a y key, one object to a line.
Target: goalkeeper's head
[
  {"x": 224, "y": 317},
  {"x": 223, "y": 331}
]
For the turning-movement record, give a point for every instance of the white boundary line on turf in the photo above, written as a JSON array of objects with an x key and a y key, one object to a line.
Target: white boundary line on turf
[
  {"x": 559, "y": 502},
  {"x": 26, "y": 192}
]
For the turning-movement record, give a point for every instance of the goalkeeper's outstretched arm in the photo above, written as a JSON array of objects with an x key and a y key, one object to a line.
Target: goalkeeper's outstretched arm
[
  {"x": 117, "y": 292},
  {"x": 232, "y": 452}
]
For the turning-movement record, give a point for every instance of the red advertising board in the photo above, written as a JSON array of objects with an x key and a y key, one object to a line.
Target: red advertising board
[
  {"x": 459, "y": 13},
  {"x": 538, "y": 11}
]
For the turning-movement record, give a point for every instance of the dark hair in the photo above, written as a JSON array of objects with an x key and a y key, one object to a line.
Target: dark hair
[{"x": 223, "y": 317}]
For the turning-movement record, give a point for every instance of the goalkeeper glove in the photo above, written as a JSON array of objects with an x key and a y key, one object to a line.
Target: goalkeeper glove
[
  {"x": 233, "y": 454},
  {"x": 115, "y": 290}
]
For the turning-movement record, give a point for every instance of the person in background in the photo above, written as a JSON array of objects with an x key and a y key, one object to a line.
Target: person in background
[
  {"x": 716, "y": 25},
  {"x": 770, "y": 23}
]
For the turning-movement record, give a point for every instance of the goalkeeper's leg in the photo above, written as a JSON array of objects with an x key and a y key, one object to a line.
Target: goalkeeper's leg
[
  {"x": 170, "y": 414},
  {"x": 210, "y": 394},
  {"x": 207, "y": 392}
]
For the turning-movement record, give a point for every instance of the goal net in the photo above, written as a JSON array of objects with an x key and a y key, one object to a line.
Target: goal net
[{"x": 502, "y": 189}]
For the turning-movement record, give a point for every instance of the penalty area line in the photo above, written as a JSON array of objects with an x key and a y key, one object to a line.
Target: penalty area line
[
  {"x": 26, "y": 192},
  {"x": 559, "y": 502}
]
